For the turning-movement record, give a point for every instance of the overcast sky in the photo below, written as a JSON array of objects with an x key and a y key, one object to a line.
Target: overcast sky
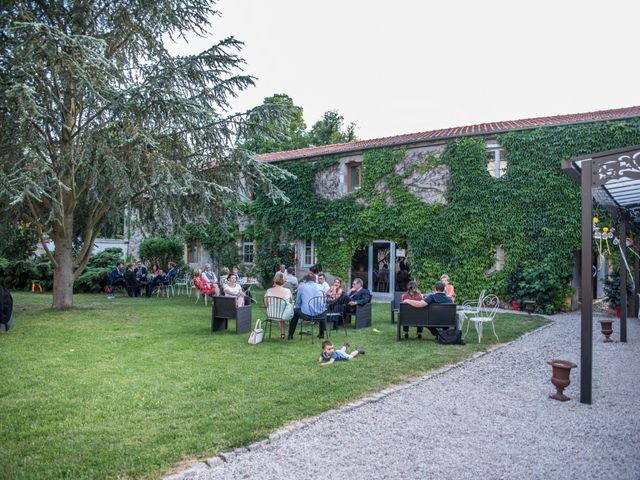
[{"x": 407, "y": 66}]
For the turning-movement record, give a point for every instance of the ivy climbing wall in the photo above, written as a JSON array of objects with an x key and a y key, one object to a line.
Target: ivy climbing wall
[{"x": 451, "y": 213}]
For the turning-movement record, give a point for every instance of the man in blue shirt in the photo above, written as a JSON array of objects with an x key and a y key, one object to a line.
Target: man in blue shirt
[{"x": 306, "y": 291}]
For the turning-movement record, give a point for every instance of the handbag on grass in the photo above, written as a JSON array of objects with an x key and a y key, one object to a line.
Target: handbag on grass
[{"x": 257, "y": 334}]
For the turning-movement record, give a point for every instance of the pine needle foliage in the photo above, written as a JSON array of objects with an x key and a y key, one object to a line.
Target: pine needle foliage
[{"x": 97, "y": 116}]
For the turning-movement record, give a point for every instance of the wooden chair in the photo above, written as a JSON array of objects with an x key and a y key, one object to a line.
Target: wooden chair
[{"x": 225, "y": 308}]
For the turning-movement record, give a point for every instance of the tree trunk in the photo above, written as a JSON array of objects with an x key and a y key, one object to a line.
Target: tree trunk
[{"x": 62, "y": 270}]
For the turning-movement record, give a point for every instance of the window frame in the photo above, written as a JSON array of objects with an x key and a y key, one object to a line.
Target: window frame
[
  {"x": 499, "y": 157},
  {"x": 351, "y": 165},
  {"x": 313, "y": 252},
  {"x": 194, "y": 251},
  {"x": 248, "y": 243}
]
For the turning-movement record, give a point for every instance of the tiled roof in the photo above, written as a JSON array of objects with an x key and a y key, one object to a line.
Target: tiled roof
[{"x": 446, "y": 133}]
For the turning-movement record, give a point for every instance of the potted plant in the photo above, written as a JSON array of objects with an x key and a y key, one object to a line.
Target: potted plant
[{"x": 612, "y": 291}]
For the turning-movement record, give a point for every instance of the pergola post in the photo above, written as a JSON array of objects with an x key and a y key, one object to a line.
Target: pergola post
[
  {"x": 586, "y": 288},
  {"x": 636, "y": 290},
  {"x": 623, "y": 280}
]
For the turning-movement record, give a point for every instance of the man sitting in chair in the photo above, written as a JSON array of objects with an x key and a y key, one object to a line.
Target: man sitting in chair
[
  {"x": 357, "y": 296},
  {"x": 437, "y": 297},
  {"x": 306, "y": 291},
  {"x": 116, "y": 278}
]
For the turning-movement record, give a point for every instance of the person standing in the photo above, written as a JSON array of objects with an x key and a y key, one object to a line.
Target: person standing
[{"x": 133, "y": 290}]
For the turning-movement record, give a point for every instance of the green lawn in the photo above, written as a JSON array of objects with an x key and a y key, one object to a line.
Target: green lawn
[{"x": 128, "y": 388}]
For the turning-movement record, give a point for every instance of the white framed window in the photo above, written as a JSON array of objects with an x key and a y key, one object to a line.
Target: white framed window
[
  {"x": 247, "y": 251},
  {"x": 496, "y": 161},
  {"x": 309, "y": 257}
]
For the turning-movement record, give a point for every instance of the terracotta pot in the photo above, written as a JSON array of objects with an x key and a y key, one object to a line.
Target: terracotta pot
[
  {"x": 529, "y": 305},
  {"x": 561, "y": 370},
  {"x": 606, "y": 327}
]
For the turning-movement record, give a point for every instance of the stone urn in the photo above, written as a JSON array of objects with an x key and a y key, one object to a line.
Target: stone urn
[
  {"x": 529, "y": 306},
  {"x": 560, "y": 377},
  {"x": 606, "y": 327}
]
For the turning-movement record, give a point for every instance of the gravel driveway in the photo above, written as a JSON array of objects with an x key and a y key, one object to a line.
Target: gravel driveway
[{"x": 488, "y": 418}]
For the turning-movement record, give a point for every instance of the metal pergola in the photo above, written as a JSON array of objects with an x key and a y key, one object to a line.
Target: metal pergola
[{"x": 613, "y": 179}]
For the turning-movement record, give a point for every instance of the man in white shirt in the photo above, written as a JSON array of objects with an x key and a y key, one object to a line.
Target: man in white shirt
[{"x": 322, "y": 281}]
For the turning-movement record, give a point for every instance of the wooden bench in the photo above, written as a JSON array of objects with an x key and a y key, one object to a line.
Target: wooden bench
[{"x": 437, "y": 315}]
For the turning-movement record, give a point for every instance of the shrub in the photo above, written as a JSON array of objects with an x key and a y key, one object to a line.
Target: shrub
[
  {"x": 19, "y": 274},
  {"x": 162, "y": 250},
  {"x": 542, "y": 283},
  {"x": 612, "y": 289},
  {"x": 96, "y": 274}
]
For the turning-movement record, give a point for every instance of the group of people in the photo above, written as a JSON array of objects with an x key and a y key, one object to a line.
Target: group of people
[
  {"x": 333, "y": 298},
  {"x": 137, "y": 281},
  {"x": 443, "y": 293},
  {"x": 228, "y": 285}
]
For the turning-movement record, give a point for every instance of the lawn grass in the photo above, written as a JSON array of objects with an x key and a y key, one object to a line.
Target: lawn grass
[{"x": 128, "y": 388}]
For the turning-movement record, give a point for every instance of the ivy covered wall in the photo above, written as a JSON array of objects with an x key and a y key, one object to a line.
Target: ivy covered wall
[{"x": 532, "y": 211}]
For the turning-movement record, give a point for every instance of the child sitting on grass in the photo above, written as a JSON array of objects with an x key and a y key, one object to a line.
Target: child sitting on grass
[{"x": 329, "y": 355}]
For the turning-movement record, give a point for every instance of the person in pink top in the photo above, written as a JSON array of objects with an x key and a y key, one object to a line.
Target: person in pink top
[{"x": 448, "y": 288}]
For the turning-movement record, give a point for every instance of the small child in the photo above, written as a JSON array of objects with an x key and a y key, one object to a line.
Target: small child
[{"x": 329, "y": 355}]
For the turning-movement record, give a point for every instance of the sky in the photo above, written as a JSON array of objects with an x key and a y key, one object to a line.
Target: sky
[{"x": 415, "y": 65}]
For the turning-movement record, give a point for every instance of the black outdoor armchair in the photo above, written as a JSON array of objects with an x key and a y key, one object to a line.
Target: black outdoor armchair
[
  {"x": 395, "y": 305},
  {"x": 362, "y": 314},
  {"x": 223, "y": 309}
]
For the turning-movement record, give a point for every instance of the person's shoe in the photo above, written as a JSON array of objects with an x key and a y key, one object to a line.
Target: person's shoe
[
  {"x": 346, "y": 344},
  {"x": 360, "y": 351}
]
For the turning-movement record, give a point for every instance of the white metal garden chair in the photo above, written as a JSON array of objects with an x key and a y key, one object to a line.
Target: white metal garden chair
[
  {"x": 471, "y": 308},
  {"x": 183, "y": 284},
  {"x": 486, "y": 314}
]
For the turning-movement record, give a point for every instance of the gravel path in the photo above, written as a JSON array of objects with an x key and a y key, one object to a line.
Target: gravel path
[{"x": 488, "y": 418}]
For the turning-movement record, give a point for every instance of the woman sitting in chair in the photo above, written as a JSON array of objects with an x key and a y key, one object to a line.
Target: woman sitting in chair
[
  {"x": 209, "y": 280},
  {"x": 203, "y": 287},
  {"x": 284, "y": 293},
  {"x": 234, "y": 289},
  {"x": 335, "y": 290},
  {"x": 412, "y": 294}
]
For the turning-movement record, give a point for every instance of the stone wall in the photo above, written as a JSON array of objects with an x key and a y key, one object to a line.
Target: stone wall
[{"x": 428, "y": 185}]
